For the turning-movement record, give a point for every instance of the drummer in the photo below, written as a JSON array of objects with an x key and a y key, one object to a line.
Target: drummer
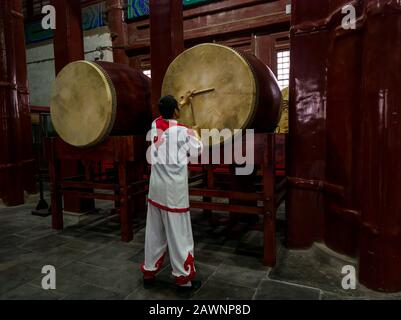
[{"x": 168, "y": 224}]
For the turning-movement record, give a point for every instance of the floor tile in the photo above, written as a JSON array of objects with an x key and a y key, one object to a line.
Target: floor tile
[
  {"x": 239, "y": 276},
  {"x": 160, "y": 291},
  {"x": 29, "y": 292},
  {"x": 90, "y": 292},
  {"x": 17, "y": 276},
  {"x": 272, "y": 290},
  {"x": 219, "y": 290}
]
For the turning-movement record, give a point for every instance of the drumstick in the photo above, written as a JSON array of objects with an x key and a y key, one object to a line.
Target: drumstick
[{"x": 197, "y": 92}]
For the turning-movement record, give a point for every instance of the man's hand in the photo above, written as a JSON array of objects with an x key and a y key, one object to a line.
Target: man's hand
[{"x": 187, "y": 99}]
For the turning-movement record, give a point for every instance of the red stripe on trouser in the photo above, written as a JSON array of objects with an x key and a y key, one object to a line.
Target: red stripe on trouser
[
  {"x": 158, "y": 266},
  {"x": 189, "y": 265}
]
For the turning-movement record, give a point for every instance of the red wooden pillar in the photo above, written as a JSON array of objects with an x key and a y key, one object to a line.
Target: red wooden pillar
[
  {"x": 380, "y": 161},
  {"x": 118, "y": 30},
  {"x": 270, "y": 211},
  {"x": 307, "y": 117},
  {"x": 342, "y": 205},
  {"x": 167, "y": 41},
  {"x": 11, "y": 180},
  {"x": 263, "y": 47},
  {"x": 69, "y": 47},
  {"x": 29, "y": 167},
  {"x": 68, "y": 36},
  {"x": 125, "y": 203}
]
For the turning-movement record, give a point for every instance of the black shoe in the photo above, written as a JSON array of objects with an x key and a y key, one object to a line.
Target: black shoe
[
  {"x": 196, "y": 284},
  {"x": 149, "y": 283}
]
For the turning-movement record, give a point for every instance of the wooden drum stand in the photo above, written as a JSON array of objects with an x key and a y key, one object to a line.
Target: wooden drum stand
[
  {"x": 261, "y": 197},
  {"x": 126, "y": 187}
]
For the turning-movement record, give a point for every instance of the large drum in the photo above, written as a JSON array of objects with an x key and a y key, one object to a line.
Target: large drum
[
  {"x": 92, "y": 100},
  {"x": 228, "y": 90},
  {"x": 284, "y": 124}
]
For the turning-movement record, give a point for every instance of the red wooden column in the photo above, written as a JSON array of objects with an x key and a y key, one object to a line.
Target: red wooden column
[
  {"x": 380, "y": 161},
  {"x": 167, "y": 41},
  {"x": 68, "y": 36},
  {"x": 342, "y": 205},
  {"x": 270, "y": 211},
  {"x": 307, "y": 115},
  {"x": 263, "y": 48},
  {"x": 118, "y": 30},
  {"x": 69, "y": 47},
  {"x": 11, "y": 181},
  {"x": 29, "y": 167}
]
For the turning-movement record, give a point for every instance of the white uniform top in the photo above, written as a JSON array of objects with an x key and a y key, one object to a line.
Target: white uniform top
[{"x": 172, "y": 146}]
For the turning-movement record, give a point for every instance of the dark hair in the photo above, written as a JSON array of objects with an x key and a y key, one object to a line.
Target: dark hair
[{"x": 167, "y": 107}]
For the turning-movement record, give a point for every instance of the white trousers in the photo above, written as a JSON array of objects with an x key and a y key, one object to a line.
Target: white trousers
[{"x": 173, "y": 232}]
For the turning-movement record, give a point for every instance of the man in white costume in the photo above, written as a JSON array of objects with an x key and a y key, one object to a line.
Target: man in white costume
[{"x": 168, "y": 226}]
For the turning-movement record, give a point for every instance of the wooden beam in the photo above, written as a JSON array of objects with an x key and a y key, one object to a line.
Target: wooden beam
[
  {"x": 227, "y": 194},
  {"x": 226, "y": 207},
  {"x": 89, "y": 195},
  {"x": 210, "y": 32}
]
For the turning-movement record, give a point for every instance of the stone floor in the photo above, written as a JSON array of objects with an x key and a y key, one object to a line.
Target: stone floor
[{"x": 92, "y": 263}]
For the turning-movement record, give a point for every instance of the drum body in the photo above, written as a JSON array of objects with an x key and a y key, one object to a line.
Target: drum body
[
  {"x": 268, "y": 107},
  {"x": 235, "y": 90},
  {"x": 92, "y": 100}
]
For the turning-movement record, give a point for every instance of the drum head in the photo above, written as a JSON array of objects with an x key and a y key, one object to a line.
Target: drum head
[
  {"x": 231, "y": 105},
  {"x": 83, "y": 104}
]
